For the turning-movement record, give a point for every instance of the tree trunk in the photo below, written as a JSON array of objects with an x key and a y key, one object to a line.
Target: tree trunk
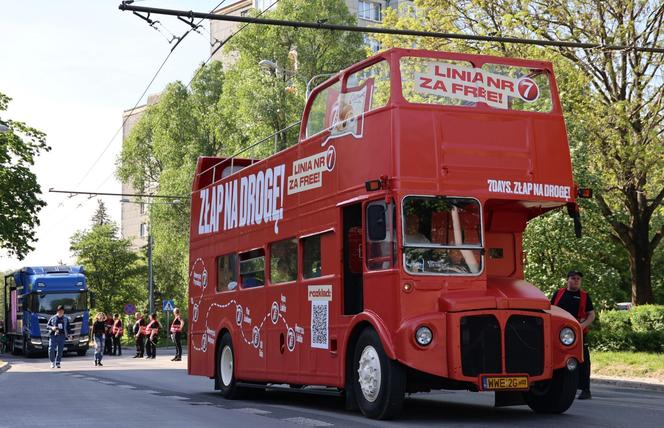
[{"x": 640, "y": 262}]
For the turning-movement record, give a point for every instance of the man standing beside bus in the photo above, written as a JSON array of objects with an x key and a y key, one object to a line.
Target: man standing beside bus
[
  {"x": 59, "y": 328},
  {"x": 578, "y": 303}
]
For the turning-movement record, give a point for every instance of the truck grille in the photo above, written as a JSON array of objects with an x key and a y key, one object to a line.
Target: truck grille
[
  {"x": 524, "y": 345},
  {"x": 480, "y": 345}
]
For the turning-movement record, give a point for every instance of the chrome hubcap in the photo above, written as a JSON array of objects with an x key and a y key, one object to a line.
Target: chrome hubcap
[
  {"x": 226, "y": 365},
  {"x": 369, "y": 374}
]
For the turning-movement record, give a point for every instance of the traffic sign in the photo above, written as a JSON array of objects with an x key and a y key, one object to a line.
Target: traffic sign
[
  {"x": 168, "y": 305},
  {"x": 129, "y": 309}
]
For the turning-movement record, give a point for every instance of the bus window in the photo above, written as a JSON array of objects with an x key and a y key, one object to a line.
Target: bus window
[
  {"x": 415, "y": 87},
  {"x": 380, "y": 235},
  {"x": 321, "y": 113},
  {"x": 312, "y": 263},
  {"x": 283, "y": 261},
  {"x": 534, "y": 87},
  {"x": 227, "y": 272},
  {"x": 252, "y": 268},
  {"x": 377, "y": 78},
  {"x": 442, "y": 235}
]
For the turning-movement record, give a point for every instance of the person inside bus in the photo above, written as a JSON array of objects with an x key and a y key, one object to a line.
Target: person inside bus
[
  {"x": 250, "y": 281},
  {"x": 456, "y": 262},
  {"x": 283, "y": 272},
  {"x": 413, "y": 234}
]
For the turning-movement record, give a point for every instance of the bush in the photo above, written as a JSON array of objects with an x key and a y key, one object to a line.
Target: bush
[{"x": 639, "y": 330}]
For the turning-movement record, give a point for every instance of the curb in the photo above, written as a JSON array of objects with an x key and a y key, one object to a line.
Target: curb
[
  {"x": 621, "y": 383},
  {"x": 4, "y": 367}
]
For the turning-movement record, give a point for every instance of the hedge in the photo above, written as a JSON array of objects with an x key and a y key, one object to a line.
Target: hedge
[{"x": 640, "y": 329}]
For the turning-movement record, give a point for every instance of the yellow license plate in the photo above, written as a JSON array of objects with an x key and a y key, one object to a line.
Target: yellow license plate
[{"x": 494, "y": 383}]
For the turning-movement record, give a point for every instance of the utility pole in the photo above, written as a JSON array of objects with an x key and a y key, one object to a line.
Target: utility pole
[{"x": 150, "y": 279}]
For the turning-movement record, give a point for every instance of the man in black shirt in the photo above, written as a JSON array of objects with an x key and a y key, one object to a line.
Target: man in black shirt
[{"x": 578, "y": 303}]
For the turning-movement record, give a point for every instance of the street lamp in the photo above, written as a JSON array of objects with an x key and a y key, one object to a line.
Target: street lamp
[
  {"x": 274, "y": 68},
  {"x": 149, "y": 249}
]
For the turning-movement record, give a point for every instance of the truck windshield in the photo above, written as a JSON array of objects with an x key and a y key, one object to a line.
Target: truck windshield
[
  {"x": 46, "y": 303},
  {"x": 442, "y": 235}
]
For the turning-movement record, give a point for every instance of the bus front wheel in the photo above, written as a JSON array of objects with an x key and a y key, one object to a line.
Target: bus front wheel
[
  {"x": 226, "y": 368},
  {"x": 555, "y": 395},
  {"x": 379, "y": 383}
]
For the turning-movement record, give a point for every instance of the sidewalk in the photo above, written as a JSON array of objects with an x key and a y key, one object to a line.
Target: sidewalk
[
  {"x": 629, "y": 382},
  {"x": 4, "y": 366}
]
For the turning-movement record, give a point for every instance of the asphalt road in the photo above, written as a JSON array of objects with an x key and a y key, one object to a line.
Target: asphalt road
[{"x": 159, "y": 393}]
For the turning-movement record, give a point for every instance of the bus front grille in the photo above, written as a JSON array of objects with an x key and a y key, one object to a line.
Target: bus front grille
[
  {"x": 524, "y": 345},
  {"x": 480, "y": 345}
]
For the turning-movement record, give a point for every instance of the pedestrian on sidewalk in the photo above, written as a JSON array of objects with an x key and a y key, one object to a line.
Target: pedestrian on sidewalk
[
  {"x": 99, "y": 336},
  {"x": 139, "y": 335},
  {"x": 59, "y": 329},
  {"x": 152, "y": 333},
  {"x": 176, "y": 334},
  {"x": 108, "y": 341},
  {"x": 579, "y": 304},
  {"x": 117, "y": 331}
]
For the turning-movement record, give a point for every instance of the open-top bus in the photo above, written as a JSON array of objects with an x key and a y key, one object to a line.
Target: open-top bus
[{"x": 382, "y": 253}]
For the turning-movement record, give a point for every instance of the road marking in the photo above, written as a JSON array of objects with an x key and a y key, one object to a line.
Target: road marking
[
  {"x": 253, "y": 411},
  {"x": 201, "y": 403},
  {"x": 105, "y": 382},
  {"x": 126, "y": 386},
  {"x": 308, "y": 422},
  {"x": 149, "y": 391}
]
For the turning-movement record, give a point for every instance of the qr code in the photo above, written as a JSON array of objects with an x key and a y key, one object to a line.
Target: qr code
[{"x": 319, "y": 324}]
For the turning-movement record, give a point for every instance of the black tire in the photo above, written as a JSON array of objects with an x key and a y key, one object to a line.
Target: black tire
[
  {"x": 554, "y": 396},
  {"x": 227, "y": 384},
  {"x": 81, "y": 352},
  {"x": 385, "y": 401}
]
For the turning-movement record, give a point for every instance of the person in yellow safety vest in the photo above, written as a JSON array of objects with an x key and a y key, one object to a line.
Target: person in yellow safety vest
[
  {"x": 152, "y": 333},
  {"x": 117, "y": 331},
  {"x": 139, "y": 335},
  {"x": 176, "y": 334}
]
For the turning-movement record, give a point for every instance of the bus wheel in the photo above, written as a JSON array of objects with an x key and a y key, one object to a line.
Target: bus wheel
[
  {"x": 379, "y": 382},
  {"x": 554, "y": 396},
  {"x": 226, "y": 368}
]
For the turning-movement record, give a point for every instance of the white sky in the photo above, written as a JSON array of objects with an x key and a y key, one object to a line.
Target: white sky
[{"x": 72, "y": 67}]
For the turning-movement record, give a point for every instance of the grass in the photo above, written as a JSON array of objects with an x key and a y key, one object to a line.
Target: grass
[{"x": 628, "y": 364}]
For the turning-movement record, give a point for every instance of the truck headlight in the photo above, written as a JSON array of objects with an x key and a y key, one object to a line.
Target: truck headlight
[
  {"x": 423, "y": 336},
  {"x": 567, "y": 336},
  {"x": 84, "y": 339}
]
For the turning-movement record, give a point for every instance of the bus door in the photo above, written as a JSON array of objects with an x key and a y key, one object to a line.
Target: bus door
[
  {"x": 283, "y": 311},
  {"x": 250, "y": 335},
  {"x": 352, "y": 256}
]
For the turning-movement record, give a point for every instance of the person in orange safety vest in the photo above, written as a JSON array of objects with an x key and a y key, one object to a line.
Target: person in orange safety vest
[
  {"x": 152, "y": 335},
  {"x": 176, "y": 334}
]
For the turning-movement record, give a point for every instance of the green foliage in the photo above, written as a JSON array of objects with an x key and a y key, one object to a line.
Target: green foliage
[
  {"x": 613, "y": 104},
  {"x": 640, "y": 329},
  {"x": 19, "y": 199},
  {"x": 115, "y": 274}
]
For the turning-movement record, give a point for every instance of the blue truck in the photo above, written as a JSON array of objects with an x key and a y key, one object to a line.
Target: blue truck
[{"x": 31, "y": 296}]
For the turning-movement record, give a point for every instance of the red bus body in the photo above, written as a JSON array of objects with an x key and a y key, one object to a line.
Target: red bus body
[{"x": 436, "y": 140}]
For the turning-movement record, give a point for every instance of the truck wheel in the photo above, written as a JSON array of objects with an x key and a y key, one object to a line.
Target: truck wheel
[
  {"x": 379, "y": 383},
  {"x": 555, "y": 395},
  {"x": 25, "y": 351},
  {"x": 226, "y": 368},
  {"x": 15, "y": 350},
  {"x": 82, "y": 352}
]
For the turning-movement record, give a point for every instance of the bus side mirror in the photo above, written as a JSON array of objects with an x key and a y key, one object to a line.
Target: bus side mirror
[
  {"x": 376, "y": 222},
  {"x": 573, "y": 211}
]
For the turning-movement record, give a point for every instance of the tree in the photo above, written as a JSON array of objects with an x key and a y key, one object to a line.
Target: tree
[
  {"x": 115, "y": 273},
  {"x": 19, "y": 200},
  {"x": 615, "y": 99},
  {"x": 101, "y": 214}
]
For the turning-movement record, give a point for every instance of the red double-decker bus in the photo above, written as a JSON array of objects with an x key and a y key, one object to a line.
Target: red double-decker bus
[{"x": 382, "y": 253}]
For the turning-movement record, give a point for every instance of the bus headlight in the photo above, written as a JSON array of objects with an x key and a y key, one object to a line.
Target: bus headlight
[
  {"x": 567, "y": 336},
  {"x": 423, "y": 336}
]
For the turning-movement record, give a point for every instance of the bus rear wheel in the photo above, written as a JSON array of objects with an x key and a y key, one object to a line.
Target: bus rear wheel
[
  {"x": 379, "y": 383},
  {"x": 226, "y": 368},
  {"x": 555, "y": 395}
]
